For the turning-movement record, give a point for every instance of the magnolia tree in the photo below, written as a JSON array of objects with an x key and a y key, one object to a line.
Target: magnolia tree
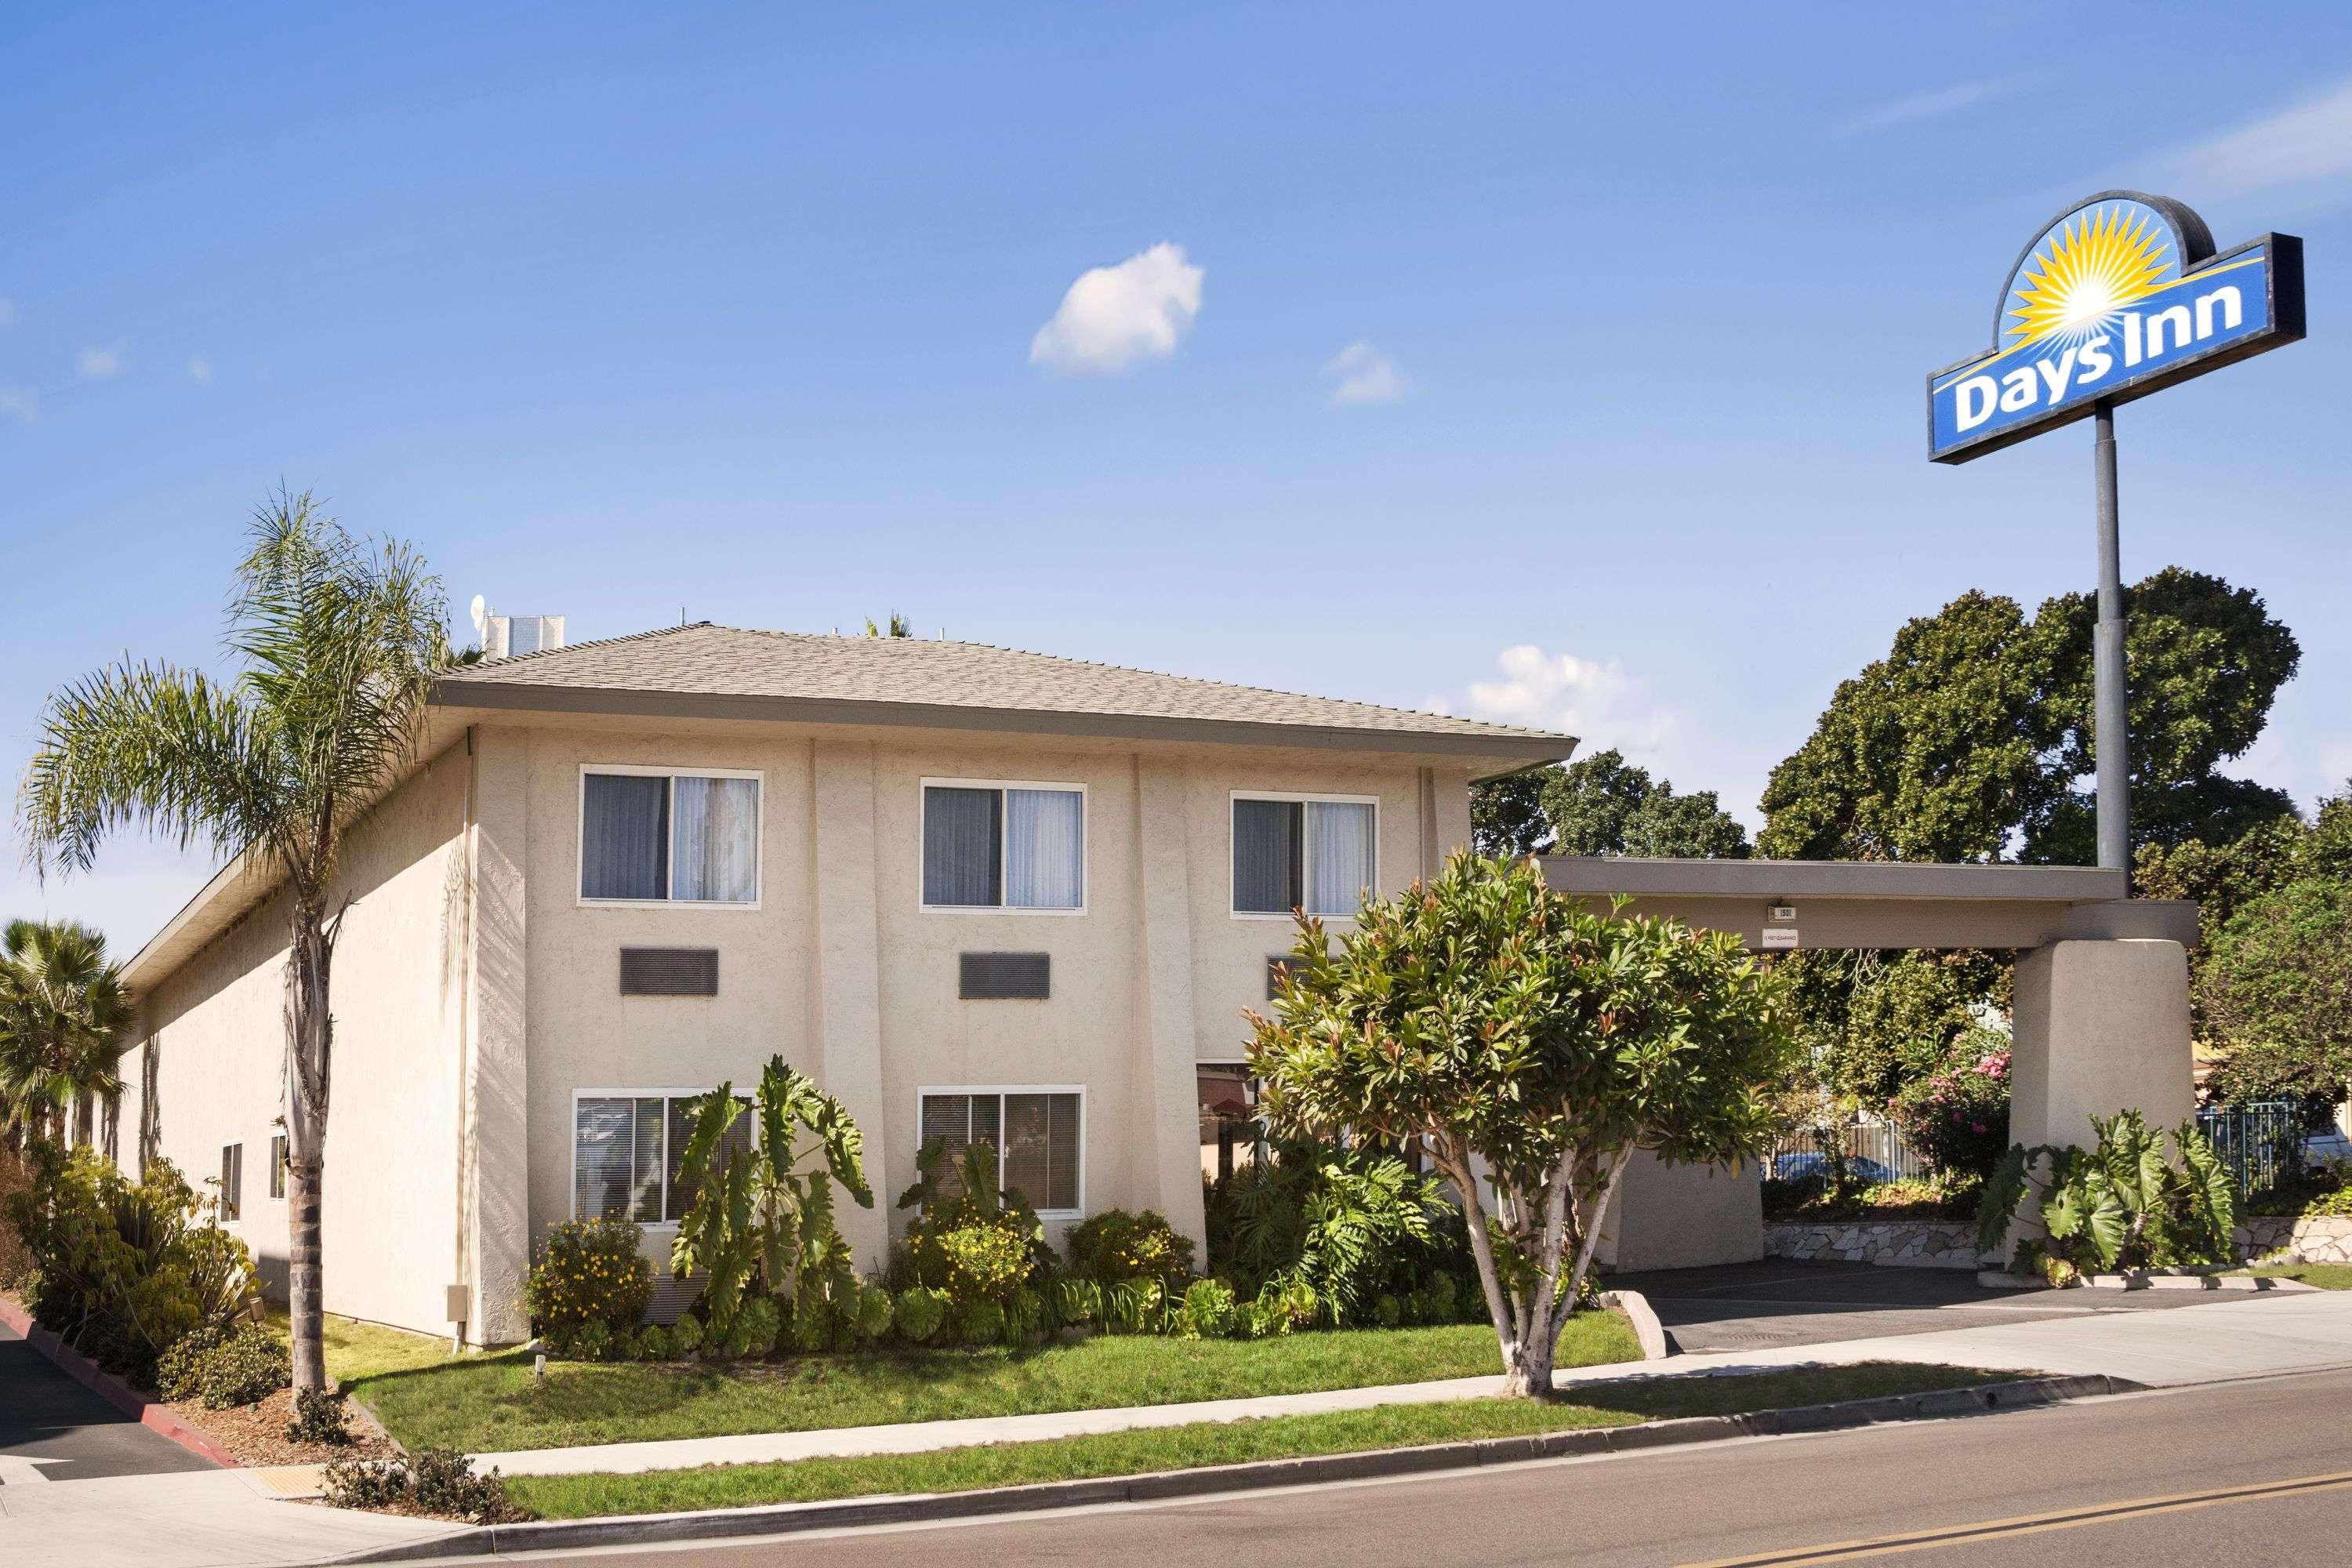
[{"x": 1528, "y": 1046}]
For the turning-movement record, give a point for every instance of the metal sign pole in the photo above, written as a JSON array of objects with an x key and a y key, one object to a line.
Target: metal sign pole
[{"x": 2107, "y": 660}]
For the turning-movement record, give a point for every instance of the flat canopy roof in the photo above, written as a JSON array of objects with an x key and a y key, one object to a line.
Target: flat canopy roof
[{"x": 1881, "y": 904}]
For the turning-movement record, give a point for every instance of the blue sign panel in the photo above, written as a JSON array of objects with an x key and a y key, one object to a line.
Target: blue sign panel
[{"x": 2120, "y": 297}]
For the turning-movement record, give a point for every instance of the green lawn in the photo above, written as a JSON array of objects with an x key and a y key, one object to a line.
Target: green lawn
[
  {"x": 2327, "y": 1276},
  {"x": 1226, "y": 1443},
  {"x": 489, "y": 1403}
]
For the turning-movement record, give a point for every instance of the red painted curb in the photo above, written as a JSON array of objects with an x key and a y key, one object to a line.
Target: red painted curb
[{"x": 147, "y": 1412}]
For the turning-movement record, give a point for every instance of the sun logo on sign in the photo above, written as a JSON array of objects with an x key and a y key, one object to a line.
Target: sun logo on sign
[{"x": 2084, "y": 272}]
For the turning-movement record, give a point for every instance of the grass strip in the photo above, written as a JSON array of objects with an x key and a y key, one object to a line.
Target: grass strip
[
  {"x": 491, "y": 1403},
  {"x": 1224, "y": 1443},
  {"x": 2325, "y": 1276}
]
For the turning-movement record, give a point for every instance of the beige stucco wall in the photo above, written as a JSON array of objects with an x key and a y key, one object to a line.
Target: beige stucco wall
[
  {"x": 2100, "y": 1027},
  {"x": 1683, "y": 1216},
  {"x": 840, "y": 956},
  {"x": 391, "y": 1194}
]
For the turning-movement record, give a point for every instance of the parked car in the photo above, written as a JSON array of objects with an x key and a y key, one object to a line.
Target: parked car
[
  {"x": 2328, "y": 1147},
  {"x": 1806, "y": 1164}
]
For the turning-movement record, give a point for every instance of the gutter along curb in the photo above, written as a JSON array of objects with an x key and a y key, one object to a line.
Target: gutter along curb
[
  {"x": 149, "y": 1412},
  {"x": 787, "y": 1518}
]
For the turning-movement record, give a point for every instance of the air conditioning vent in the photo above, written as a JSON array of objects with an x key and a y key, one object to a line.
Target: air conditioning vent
[
  {"x": 669, "y": 972},
  {"x": 1005, "y": 976}
]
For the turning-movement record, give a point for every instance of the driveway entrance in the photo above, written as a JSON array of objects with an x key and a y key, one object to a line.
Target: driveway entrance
[
  {"x": 1758, "y": 1306},
  {"x": 54, "y": 1429}
]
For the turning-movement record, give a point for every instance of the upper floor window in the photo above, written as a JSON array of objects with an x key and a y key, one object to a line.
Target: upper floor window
[
  {"x": 1303, "y": 852},
  {"x": 1014, "y": 846},
  {"x": 651, "y": 836}
]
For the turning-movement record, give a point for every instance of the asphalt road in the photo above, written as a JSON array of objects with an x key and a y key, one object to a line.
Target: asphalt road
[
  {"x": 53, "y": 1426},
  {"x": 2248, "y": 1471},
  {"x": 1759, "y": 1306}
]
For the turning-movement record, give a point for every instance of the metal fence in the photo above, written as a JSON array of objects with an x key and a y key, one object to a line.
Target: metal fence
[
  {"x": 2261, "y": 1141},
  {"x": 1874, "y": 1152}
]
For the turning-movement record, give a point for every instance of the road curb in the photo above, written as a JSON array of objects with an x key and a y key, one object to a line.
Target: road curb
[
  {"x": 149, "y": 1412},
  {"x": 789, "y": 1519},
  {"x": 1638, "y": 1311}
]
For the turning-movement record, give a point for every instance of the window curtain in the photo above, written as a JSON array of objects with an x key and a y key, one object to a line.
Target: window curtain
[
  {"x": 957, "y": 1121},
  {"x": 963, "y": 843},
  {"x": 1338, "y": 857},
  {"x": 1041, "y": 1149},
  {"x": 1265, "y": 856},
  {"x": 602, "y": 1143},
  {"x": 684, "y": 1184},
  {"x": 624, "y": 837},
  {"x": 717, "y": 847},
  {"x": 1045, "y": 848}
]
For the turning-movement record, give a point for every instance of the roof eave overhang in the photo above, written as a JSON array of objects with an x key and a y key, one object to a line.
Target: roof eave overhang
[{"x": 1488, "y": 755}]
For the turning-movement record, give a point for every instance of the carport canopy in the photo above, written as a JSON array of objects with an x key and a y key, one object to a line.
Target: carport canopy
[{"x": 1880, "y": 903}]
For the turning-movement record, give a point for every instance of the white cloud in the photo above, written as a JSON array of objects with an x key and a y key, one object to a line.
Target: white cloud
[
  {"x": 21, "y": 402},
  {"x": 1113, "y": 316},
  {"x": 1943, "y": 100},
  {"x": 2310, "y": 141},
  {"x": 1365, "y": 375},
  {"x": 200, "y": 367},
  {"x": 96, "y": 364},
  {"x": 7, "y": 312},
  {"x": 1593, "y": 700}
]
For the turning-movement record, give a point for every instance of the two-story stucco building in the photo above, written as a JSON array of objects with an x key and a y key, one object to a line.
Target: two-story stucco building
[{"x": 976, "y": 893}]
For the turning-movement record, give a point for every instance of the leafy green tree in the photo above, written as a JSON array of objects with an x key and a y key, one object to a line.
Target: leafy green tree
[
  {"x": 1511, "y": 1034},
  {"x": 2275, "y": 992},
  {"x": 1601, "y": 805},
  {"x": 340, "y": 642},
  {"x": 63, "y": 1013}
]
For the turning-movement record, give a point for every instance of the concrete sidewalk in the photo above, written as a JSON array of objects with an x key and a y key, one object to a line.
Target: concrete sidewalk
[
  {"x": 2242, "y": 1337},
  {"x": 200, "y": 1519}
]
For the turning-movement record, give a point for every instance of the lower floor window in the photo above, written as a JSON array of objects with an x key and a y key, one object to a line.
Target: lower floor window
[
  {"x": 626, "y": 1153},
  {"x": 232, "y": 1188},
  {"x": 278, "y": 1166},
  {"x": 1036, "y": 1134}
]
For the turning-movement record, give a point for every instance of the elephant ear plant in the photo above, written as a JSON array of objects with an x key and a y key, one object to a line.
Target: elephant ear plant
[
  {"x": 2122, "y": 1204},
  {"x": 761, "y": 1227}
]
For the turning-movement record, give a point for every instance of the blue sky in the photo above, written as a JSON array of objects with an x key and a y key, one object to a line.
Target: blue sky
[{"x": 1594, "y": 333}]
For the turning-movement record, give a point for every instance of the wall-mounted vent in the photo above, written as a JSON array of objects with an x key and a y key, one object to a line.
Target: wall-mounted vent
[
  {"x": 669, "y": 972},
  {"x": 1001, "y": 976}
]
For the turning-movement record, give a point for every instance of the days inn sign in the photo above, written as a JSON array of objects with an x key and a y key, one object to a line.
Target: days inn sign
[{"x": 2121, "y": 296}]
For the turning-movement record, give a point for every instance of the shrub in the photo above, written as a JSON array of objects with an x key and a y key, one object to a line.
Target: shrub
[
  {"x": 437, "y": 1482},
  {"x": 1354, "y": 1223},
  {"x": 1078, "y": 1301},
  {"x": 1957, "y": 1116},
  {"x": 981, "y": 1322},
  {"x": 1210, "y": 1311},
  {"x": 590, "y": 1271},
  {"x": 1114, "y": 1246},
  {"x": 685, "y": 1336},
  {"x": 1388, "y": 1311},
  {"x": 875, "y": 1312},
  {"x": 758, "y": 1323},
  {"x": 223, "y": 1367},
  {"x": 652, "y": 1343},
  {"x": 124, "y": 1269},
  {"x": 590, "y": 1341},
  {"x": 318, "y": 1417},
  {"x": 2120, "y": 1205},
  {"x": 957, "y": 1195},
  {"x": 922, "y": 1312}
]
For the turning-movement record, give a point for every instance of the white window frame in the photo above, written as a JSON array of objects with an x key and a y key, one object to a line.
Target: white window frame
[
  {"x": 672, "y": 771},
  {"x": 1306, "y": 875},
  {"x": 1001, "y": 1090},
  {"x": 1003, "y": 843},
  {"x": 666, "y": 1227},
  {"x": 222, "y": 1196}
]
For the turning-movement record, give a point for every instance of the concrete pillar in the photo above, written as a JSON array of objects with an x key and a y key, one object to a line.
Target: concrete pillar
[
  {"x": 1683, "y": 1216},
  {"x": 1167, "y": 1071},
  {"x": 2100, "y": 1027},
  {"x": 847, "y": 985},
  {"x": 494, "y": 1183}
]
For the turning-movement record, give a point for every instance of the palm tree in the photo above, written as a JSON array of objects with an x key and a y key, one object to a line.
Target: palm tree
[
  {"x": 63, "y": 1013},
  {"x": 340, "y": 642}
]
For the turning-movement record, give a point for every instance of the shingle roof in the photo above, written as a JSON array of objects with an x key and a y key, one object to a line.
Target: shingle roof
[{"x": 705, "y": 668}]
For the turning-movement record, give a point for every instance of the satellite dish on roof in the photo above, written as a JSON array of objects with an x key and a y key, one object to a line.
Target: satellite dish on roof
[{"x": 480, "y": 610}]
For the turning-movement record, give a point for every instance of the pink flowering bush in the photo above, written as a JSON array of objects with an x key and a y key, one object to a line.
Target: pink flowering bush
[{"x": 1957, "y": 1116}]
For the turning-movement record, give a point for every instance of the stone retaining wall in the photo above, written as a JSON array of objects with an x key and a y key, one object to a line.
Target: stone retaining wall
[
  {"x": 2323, "y": 1240},
  {"x": 1900, "y": 1244}
]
